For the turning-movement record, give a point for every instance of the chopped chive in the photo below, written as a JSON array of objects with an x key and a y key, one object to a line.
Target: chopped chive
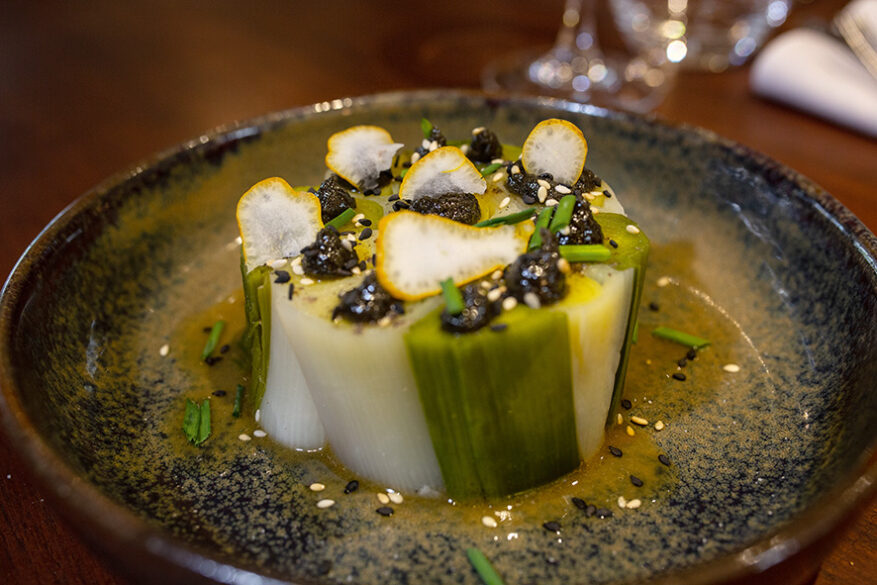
[
  {"x": 541, "y": 222},
  {"x": 426, "y": 126},
  {"x": 483, "y": 567},
  {"x": 204, "y": 426},
  {"x": 509, "y": 219},
  {"x": 342, "y": 218},
  {"x": 563, "y": 213},
  {"x": 238, "y": 400},
  {"x": 191, "y": 421},
  {"x": 680, "y": 337},
  {"x": 585, "y": 253},
  {"x": 490, "y": 169},
  {"x": 212, "y": 339},
  {"x": 453, "y": 299}
]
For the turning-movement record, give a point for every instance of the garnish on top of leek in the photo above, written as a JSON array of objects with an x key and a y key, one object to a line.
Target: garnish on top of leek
[
  {"x": 342, "y": 218},
  {"x": 542, "y": 221},
  {"x": 509, "y": 219},
  {"x": 680, "y": 337},
  {"x": 453, "y": 298},
  {"x": 585, "y": 252},
  {"x": 196, "y": 421},
  {"x": 212, "y": 339}
]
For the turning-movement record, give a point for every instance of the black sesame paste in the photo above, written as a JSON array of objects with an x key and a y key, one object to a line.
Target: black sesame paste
[
  {"x": 537, "y": 272},
  {"x": 583, "y": 228},
  {"x": 367, "y": 303},
  {"x": 587, "y": 182},
  {"x": 478, "y": 311},
  {"x": 485, "y": 146},
  {"x": 334, "y": 198},
  {"x": 328, "y": 256},
  {"x": 462, "y": 207},
  {"x": 527, "y": 185}
]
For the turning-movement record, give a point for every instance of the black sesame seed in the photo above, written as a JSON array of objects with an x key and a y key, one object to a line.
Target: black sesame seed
[
  {"x": 393, "y": 197},
  {"x": 625, "y": 403},
  {"x": 362, "y": 265},
  {"x": 551, "y": 526},
  {"x": 374, "y": 259},
  {"x": 604, "y": 513},
  {"x": 679, "y": 376},
  {"x": 208, "y": 329},
  {"x": 351, "y": 487},
  {"x": 282, "y": 276},
  {"x": 499, "y": 327},
  {"x": 219, "y": 393},
  {"x": 664, "y": 459},
  {"x": 365, "y": 222},
  {"x": 224, "y": 348},
  {"x": 607, "y": 194},
  {"x": 613, "y": 243},
  {"x": 529, "y": 199},
  {"x": 291, "y": 290},
  {"x": 590, "y": 511},
  {"x": 210, "y": 360},
  {"x": 365, "y": 234},
  {"x": 579, "y": 503},
  {"x": 636, "y": 481},
  {"x": 615, "y": 451},
  {"x": 681, "y": 363},
  {"x": 691, "y": 354},
  {"x": 385, "y": 511},
  {"x": 653, "y": 306}
]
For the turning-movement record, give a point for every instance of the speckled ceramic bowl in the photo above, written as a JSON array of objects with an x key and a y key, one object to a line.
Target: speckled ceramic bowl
[{"x": 766, "y": 463}]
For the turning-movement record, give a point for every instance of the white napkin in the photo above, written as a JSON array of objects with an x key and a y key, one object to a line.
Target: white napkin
[{"x": 820, "y": 75}]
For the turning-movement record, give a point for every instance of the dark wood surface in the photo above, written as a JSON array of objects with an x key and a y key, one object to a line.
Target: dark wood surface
[{"x": 87, "y": 89}]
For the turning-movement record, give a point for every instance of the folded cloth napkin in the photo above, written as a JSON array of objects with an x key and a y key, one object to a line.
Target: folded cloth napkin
[{"x": 818, "y": 74}]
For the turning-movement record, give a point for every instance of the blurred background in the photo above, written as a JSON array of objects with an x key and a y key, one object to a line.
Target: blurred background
[{"x": 90, "y": 88}]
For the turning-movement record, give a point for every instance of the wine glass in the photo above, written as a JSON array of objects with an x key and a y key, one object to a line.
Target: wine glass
[{"x": 577, "y": 67}]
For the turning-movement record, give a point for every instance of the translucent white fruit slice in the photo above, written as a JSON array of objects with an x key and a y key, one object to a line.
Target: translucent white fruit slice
[
  {"x": 444, "y": 170},
  {"x": 416, "y": 252},
  {"x": 557, "y": 147},
  {"x": 360, "y": 153},
  {"x": 276, "y": 221}
]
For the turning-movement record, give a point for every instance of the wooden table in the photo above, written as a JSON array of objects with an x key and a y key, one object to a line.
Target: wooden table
[{"x": 88, "y": 90}]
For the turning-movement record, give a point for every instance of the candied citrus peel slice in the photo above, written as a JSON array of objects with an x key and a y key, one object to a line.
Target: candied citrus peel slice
[
  {"x": 444, "y": 170},
  {"x": 360, "y": 153},
  {"x": 276, "y": 221},
  {"x": 416, "y": 252},
  {"x": 557, "y": 147}
]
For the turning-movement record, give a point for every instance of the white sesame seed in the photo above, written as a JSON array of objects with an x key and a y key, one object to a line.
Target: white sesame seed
[
  {"x": 277, "y": 263},
  {"x": 478, "y": 130},
  {"x": 509, "y": 303},
  {"x": 383, "y": 498},
  {"x": 638, "y": 420},
  {"x": 465, "y": 148},
  {"x": 323, "y": 504},
  {"x": 244, "y": 437},
  {"x": 634, "y": 504},
  {"x": 498, "y": 176},
  {"x": 497, "y": 274},
  {"x": 543, "y": 183},
  {"x": 358, "y": 217},
  {"x": 494, "y": 294},
  {"x": 659, "y": 426},
  {"x": 348, "y": 245},
  {"x": 259, "y": 433},
  {"x": 433, "y": 145},
  {"x": 551, "y": 202},
  {"x": 396, "y": 498},
  {"x": 619, "y": 419},
  {"x": 595, "y": 210},
  {"x": 563, "y": 265},
  {"x": 595, "y": 193},
  {"x": 531, "y": 300},
  {"x": 733, "y": 368},
  {"x": 296, "y": 261},
  {"x": 415, "y": 157},
  {"x": 317, "y": 487},
  {"x": 663, "y": 281},
  {"x": 563, "y": 189},
  {"x": 297, "y": 269},
  {"x": 486, "y": 284},
  {"x": 384, "y": 321},
  {"x": 306, "y": 281},
  {"x": 497, "y": 161},
  {"x": 565, "y": 231},
  {"x": 489, "y": 521},
  {"x": 515, "y": 169},
  {"x": 258, "y": 415},
  {"x": 632, "y": 229},
  {"x": 505, "y": 202},
  {"x": 356, "y": 270},
  {"x": 425, "y": 143},
  {"x": 350, "y": 238},
  {"x": 542, "y": 194},
  {"x": 630, "y": 430},
  {"x": 622, "y": 503},
  {"x": 164, "y": 350}
]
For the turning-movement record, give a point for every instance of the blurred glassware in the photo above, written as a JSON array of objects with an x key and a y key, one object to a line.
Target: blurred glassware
[
  {"x": 579, "y": 68},
  {"x": 708, "y": 35}
]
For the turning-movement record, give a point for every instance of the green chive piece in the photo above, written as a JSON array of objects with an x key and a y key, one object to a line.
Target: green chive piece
[
  {"x": 453, "y": 298},
  {"x": 340, "y": 219},
  {"x": 509, "y": 219},
  {"x": 680, "y": 337},
  {"x": 238, "y": 401},
  {"x": 563, "y": 213},
  {"x": 541, "y": 222},
  {"x": 586, "y": 253},
  {"x": 204, "y": 426},
  {"x": 212, "y": 339},
  {"x": 426, "y": 126},
  {"x": 403, "y": 172},
  {"x": 191, "y": 421},
  {"x": 483, "y": 567},
  {"x": 490, "y": 169}
]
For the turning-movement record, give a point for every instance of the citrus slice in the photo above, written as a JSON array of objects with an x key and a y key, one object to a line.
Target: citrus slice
[
  {"x": 360, "y": 153},
  {"x": 276, "y": 221},
  {"x": 416, "y": 252},
  {"x": 556, "y": 147},
  {"x": 444, "y": 170}
]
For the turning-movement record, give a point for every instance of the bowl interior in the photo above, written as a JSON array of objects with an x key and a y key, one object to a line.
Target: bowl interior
[{"x": 144, "y": 261}]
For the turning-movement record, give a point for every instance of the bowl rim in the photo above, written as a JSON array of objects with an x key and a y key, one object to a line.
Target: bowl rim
[{"x": 119, "y": 532}]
